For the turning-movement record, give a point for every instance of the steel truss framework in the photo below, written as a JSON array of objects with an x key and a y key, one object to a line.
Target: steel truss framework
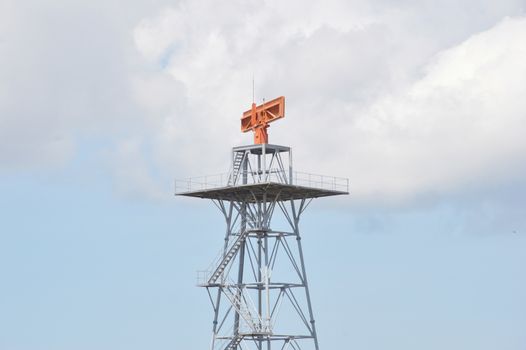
[{"x": 258, "y": 285}]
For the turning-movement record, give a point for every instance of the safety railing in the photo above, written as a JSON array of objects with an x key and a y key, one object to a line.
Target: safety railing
[
  {"x": 209, "y": 182},
  {"x": 325, "y": 182}
]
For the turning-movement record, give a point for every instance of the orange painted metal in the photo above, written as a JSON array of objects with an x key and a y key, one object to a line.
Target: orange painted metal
[{"x": 258, "y": 118}]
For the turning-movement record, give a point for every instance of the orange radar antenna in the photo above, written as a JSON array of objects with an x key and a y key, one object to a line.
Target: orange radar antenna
[{"x": 258, "y": 118}]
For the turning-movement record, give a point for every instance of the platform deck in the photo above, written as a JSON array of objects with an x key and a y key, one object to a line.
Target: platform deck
[{"x": 261, "y": 191}]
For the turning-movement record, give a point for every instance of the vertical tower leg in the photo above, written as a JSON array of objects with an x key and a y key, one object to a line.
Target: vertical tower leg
[
  {"x": 303, "y": 270},
  {"x": 227, "y": 212}
]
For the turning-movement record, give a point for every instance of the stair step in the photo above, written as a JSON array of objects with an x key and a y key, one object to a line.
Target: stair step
[
  {"x": 234, "y": 343},
  {"x": 238, "y": 160},
  {"x": 228, "y": 257}
]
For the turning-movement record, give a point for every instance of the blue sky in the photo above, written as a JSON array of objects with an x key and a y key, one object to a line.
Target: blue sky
[
  {"x": 420, "y": 105},
  {"x": 82, "y": 268}
]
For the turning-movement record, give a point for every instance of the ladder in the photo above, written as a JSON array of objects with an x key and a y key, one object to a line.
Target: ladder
[
  {"x": 232, "y": 252},
  {"x": 236, "y": 167}
]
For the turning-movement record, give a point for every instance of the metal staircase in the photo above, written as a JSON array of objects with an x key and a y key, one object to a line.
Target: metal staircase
[
  {"x": 234, "y": 342},
  {"x": 227, "y": 258},
  {"x": 237, "y": 298},
  {"x": 236, "y": 167}
]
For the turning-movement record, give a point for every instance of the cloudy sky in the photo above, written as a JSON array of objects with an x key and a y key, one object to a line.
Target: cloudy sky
[{"x": 420, "y": 103}]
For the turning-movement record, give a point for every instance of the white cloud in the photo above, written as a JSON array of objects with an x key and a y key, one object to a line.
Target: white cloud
[
  {"x": 62, "y": 78},
  {"x": 406, "y": 99},
  {"x": 356, "y": 105},
  {"x": 462, "y": 124}
]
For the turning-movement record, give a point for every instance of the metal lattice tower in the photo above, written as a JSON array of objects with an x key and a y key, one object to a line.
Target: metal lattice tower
[{"x": 258, "y": 285}]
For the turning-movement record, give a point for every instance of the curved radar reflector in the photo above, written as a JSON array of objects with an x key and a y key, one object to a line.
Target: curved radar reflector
[{"x": 257, "y": 118}]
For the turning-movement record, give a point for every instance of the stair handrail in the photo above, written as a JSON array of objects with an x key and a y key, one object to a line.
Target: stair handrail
[
  {"x": 242, "y": 236},
  {"x": 255, "y": 323}
]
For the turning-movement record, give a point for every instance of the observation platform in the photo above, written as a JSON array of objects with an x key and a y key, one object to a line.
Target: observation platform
[{"x": 258, "y": 186}]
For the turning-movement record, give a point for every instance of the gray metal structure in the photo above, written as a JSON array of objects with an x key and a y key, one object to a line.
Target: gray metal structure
[{"x": 258, "y": 284}]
